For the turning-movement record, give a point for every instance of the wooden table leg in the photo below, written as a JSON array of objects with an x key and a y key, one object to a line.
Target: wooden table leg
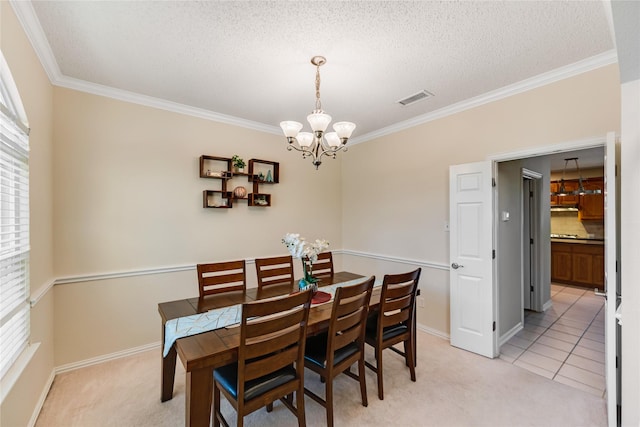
[
  {"x": 198, "y": 399},
  {"x": 168, "y": 374}
]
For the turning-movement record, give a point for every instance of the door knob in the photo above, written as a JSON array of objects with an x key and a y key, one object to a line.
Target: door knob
[{"x": 456, "y": 266}]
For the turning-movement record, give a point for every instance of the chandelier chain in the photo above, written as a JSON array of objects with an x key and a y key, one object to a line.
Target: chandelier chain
[{"x": 318, "y": 103}]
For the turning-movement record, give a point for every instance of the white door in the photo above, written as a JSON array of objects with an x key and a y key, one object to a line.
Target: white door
[
  {"x": 611, "y": 276},
  {"x": 471, "y": 246}
]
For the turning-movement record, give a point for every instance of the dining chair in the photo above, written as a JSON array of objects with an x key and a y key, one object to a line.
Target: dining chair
[
  {"x": 274, "y": 271},
  {"x": 270, "y": 362},
  {"x": 218, "y": 277},
  {"x": 323, "y": 266},
  {"x": 394, "y": 322},
  {"x": 333, "y": 352}
]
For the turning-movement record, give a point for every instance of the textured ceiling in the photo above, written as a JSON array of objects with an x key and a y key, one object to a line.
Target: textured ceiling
[{"x": 250, "y": 59}]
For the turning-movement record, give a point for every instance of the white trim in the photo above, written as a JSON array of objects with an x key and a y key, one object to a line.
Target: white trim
[
  {"x": 106, "y": 357},
  {"x": 433, "y": 332},
  {"x": 427, "y": 264},
  {"x": 506, "y": 337},
  {"x": 119, "y": 274},
  {"x": 17, "y": 368},
  {"x": 588, "y": 64},
  {"x": 29, "y": 20},
  {"x": 161, "y": 104},
  {"x": 579, "y": 144},
  {"x": 187, "y": 267},
  {"x": 41, "y": 399},
  {"x": 547, "y": 305},
  {"x": 41, "y": 292}
]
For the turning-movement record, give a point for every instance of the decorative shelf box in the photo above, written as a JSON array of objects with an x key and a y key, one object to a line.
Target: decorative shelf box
[{"x": 214, "y": 199}]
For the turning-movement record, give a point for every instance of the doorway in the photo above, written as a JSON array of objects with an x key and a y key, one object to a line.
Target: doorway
[{"x": 531, "y": 237}]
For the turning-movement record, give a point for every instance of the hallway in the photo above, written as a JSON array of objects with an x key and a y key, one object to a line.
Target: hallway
[{"x": 565, "y": 343}]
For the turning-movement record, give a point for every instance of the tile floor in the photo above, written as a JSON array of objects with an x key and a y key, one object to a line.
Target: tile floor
[{"x": 565, "y": 343}]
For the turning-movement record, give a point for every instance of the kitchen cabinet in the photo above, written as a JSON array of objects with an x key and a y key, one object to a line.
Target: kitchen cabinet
[
  {"x": 577, "y": 263},
  {"x": 561, "y": 262},
  {"x": 568, "y": 200},
  {"x": 591, "y": 206}
]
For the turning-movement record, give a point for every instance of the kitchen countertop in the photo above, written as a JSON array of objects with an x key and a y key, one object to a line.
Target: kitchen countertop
[{"x": 584, "y": 241}]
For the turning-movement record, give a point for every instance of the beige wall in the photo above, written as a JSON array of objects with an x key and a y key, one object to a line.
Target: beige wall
[
  {"x": 129, "y": 198},
  {"x": 396, "y": 190},
  {"x": 36, "y": 93}
]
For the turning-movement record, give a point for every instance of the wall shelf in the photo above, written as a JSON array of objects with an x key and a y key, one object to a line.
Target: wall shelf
[{"x": 260, "y": 172}]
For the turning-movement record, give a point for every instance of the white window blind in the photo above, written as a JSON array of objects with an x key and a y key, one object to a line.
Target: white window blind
[{"x": 14, "y": 228}]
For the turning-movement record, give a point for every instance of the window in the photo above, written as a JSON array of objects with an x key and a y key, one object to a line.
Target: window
[{"x": 14, "y": 223}]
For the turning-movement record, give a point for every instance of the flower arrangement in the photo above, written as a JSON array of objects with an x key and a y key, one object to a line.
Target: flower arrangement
[{"x": 300, "y": 248}]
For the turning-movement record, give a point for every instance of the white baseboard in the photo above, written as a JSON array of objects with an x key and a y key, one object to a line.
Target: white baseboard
[
  {"x": 41, "y": 399},
  {"x": 506, "y": 337},
  {"x": 547, "y": 305},
  {"x": 104, "y": 358},
  {"x": 432, "y": 331}
]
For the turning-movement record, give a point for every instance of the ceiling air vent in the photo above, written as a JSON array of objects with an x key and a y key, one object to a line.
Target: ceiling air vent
[{"x": 423, "y": 94}]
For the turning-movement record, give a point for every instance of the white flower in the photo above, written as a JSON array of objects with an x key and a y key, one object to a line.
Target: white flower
[{"x": 300, "y": 248}]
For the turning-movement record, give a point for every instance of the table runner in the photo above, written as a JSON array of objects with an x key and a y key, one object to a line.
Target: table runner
[
  {"x": 221, "y": 317},
  {"x": 198, "y": 323}
]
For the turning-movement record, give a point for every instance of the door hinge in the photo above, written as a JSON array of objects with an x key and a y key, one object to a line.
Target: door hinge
[
  {"x": 531, "y": 194},
  {"x": 493, "y": 182},
  {"x": 531, "y": 241},
  {"x": 493, "y": 254},
  {"x": 494, "y": 325},
  {"x": 530, "y": 288},
  {"x": 616, "y": 266}
]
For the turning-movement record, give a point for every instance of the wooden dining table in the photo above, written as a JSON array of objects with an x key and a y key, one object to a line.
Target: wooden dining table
[{"x": 202, "y": 353}]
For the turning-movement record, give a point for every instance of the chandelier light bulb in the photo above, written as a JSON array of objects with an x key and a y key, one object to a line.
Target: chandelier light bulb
[
  {"x": 344, "y": 129},
  {"x": 305, "y": 139},
  {"x": 333, "y": 140},
  {"x": 319, "y": 121},
  {"x": 291, "y": 128}
]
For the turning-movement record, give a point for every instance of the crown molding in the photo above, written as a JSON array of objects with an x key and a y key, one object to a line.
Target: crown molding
[
  {"x": 175, "y": 107},
  {"x": 589, "y": 64},
  {"x": 29, "y": 21},
  {"x": 31, "y": 25}
]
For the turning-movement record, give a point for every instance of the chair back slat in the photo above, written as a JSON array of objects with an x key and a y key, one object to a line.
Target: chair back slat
[
  {"x": 215, "y": 278},
  {"x": 348, "y": 317},
  {"x": 273, "y": 323},
  {"x": 272, "y": 335},
  {"x": 397, "y": 299},
  {"x": 323, "y": 266},
  {"x": 272, "y": 363},
  {"x": 396, "y": 318},
  {"x": 274, "y": 271}
]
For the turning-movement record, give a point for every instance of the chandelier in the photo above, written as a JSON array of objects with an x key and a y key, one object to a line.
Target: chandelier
[
  {"x": 562, "y": 191},
  {"x": 317, "y": 143}
]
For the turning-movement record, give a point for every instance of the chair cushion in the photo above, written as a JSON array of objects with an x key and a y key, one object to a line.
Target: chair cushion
[
  {"x": 227, "y": 376},
  {"x": 388, "y": 332},
  {"x": 315, "y": 351}
]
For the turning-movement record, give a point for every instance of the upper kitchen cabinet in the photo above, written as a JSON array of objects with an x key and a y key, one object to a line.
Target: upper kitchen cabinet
[
  {"x": 570, "y": 185},
  {"x": 591, "y": 206}
]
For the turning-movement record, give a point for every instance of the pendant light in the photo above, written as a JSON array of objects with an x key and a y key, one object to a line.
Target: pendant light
[{"x": 580, "y": 191}]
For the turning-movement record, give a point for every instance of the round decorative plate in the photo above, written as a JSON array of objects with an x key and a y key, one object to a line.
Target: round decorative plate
[{"x": 320, "y": 297}]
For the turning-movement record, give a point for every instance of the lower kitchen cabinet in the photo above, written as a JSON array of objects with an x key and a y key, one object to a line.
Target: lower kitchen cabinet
[{"x": 577, "y": 264}]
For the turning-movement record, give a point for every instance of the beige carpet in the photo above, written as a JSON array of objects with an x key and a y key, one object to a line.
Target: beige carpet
[{"x": 454, "y": 388}]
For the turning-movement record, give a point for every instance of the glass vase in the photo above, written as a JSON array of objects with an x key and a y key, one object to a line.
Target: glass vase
[{"x": 308, "y": 281}]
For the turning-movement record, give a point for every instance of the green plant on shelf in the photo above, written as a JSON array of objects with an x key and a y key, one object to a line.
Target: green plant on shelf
[{"x": 238, "y": 162}]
